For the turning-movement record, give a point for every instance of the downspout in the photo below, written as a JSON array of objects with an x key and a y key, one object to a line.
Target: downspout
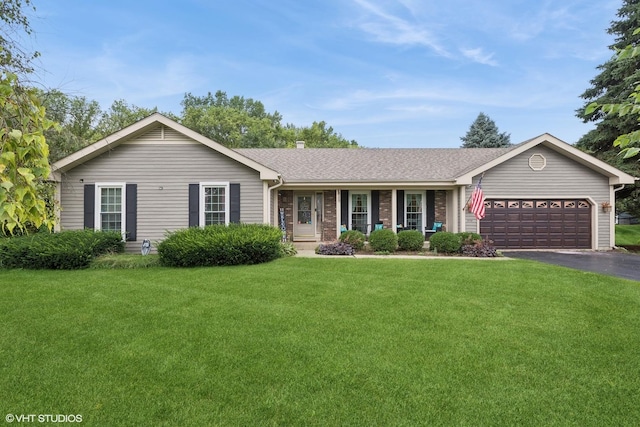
[
  {"x": 613, "y": 214},
  {"x": 275, "y": 206}
]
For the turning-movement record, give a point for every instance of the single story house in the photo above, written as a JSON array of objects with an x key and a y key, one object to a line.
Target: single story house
[{"x": 157, "y": 175}]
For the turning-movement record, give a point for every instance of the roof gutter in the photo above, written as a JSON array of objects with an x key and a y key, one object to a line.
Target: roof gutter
[{"x": 268, "y": 216}]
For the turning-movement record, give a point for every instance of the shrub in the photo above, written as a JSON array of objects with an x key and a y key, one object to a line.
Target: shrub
[
  {"x": 384, "y": 240},
  {"x": 235, "y": 244},
  {"x": 445, "y": 241},
  {"x": 354, "y": 238},
  {"x": 68, "y": 250},
  {"x": 288, "y": 249},
  {"x": 410, "y": 240},
  {"x": 469, "y": 238},
  {"x": 482, "y": 248},
  {"x": 337, "y": 248}
]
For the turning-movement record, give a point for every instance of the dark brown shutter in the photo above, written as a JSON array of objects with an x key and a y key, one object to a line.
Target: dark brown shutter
[
  {"x": 89, "y": 206},
  {"x": 132, "y": 212},
  {"x": 234, "y": 203},
  {"x": 194, "y": 205}
]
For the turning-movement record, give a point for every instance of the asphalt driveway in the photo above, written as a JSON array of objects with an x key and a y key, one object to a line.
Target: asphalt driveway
[{"x": 620, "y": 264}]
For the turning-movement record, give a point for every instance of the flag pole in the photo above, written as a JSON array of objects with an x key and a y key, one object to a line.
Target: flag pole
[{"x": 467, "y": 202}]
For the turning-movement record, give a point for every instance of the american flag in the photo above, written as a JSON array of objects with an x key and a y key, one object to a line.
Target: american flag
[{"x": 477, "y": 201}]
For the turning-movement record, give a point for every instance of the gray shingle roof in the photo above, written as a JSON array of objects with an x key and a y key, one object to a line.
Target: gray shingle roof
[{"x": 372, "y": 164}]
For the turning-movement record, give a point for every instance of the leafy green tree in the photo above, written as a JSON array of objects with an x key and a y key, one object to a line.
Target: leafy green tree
[
  {"x": 118, "y": 116},
  {"x": 13, "y": 57},
  {"x": 24, "y": 165},
  {"x": 77, "y": 118},
  {"x": 615, "y": 88},
  {"x": 319, "y": 135},
  {"x": 240, "y": 122},
  {"x": 483, "y": 133},
  {"x": 235, "y": 122},
  {"x": 82, "y": 121}
]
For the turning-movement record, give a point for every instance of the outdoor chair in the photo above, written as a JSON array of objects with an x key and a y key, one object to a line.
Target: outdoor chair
[{"x": 437, "y": 226}]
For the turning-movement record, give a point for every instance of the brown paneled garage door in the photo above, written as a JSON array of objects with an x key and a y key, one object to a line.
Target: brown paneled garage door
[{"x": 537, "y": 224}]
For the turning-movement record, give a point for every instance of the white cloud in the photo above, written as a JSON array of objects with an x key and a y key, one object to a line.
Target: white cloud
[
  {"x": 477, "y": 55},
  {"x": 388, "y": 28}
]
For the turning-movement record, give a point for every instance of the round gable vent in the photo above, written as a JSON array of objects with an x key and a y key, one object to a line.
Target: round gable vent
[{"x": 537, "y": 162}]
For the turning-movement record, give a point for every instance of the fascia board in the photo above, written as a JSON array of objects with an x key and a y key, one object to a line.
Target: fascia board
[
  {"x": 615, "y": 175},
  {"x": 131, "y": 131},
  {"x": 368, "y": 184}
]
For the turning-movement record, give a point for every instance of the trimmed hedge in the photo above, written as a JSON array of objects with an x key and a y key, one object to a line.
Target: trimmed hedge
[
  {"x": 233, "y": 244},
  {"x": 385, "y": 240},
  {"x": 354, "y": 238},
  {"x": 410, "y": 240},
  {"x": 67, "y": 250},
  {"x": 445, "y": 242},
  {"x": 469, "y": 238}
]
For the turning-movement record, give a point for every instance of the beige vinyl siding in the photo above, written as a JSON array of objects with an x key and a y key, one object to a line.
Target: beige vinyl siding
[
  {"x": 561, "y": 178},
  {"x": 163, "y": 170}
]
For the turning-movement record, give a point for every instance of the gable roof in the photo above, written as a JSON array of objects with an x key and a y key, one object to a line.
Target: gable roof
[
  {"x": 130, "y": 132},
  {"x": 435, "y": 166},
  {"x": 372, "y": 165},
  {"x": 615, "y": 175}
]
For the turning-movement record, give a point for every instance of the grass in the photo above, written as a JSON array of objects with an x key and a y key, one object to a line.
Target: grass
[
  {"x": 110, "y": 261},
  {"x": 307, "y": 341},
  {"x": 628, "y": 234}
]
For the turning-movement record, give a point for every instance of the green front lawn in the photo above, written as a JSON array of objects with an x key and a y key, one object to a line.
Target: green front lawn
[
  {"x": 326, "y": 342},
  {"x": 628, "y": 234}
]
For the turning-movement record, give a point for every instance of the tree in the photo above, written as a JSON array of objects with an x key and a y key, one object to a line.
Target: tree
[
  {"x": 234, "y": 122},
  {"x": 321, "y": 136},
  {"x": 77, "y": 118},
  {"x": 13, "y": 57},
  {"x": 240, "y": 122},
  {"x": 483, "y": 133},
  {"x": 119, "y": 116},
  {"x": 24, "y": 165},
  {"x": 616, "y": 89},
  {"x": 629, "y": 143}
]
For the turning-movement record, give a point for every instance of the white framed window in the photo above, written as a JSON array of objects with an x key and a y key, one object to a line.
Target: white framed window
[
  {"x": 359, "y": 208},
  {"x": 110, "y": 206},
  {"x": 214, "y": 203},
  {"x": 414, "y": 211}
]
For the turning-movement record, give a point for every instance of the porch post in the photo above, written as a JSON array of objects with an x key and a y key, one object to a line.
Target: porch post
[
  {"x": 338, "y": 212},
  {"x": 394, "y": 209},
  {"x": 460, "y": 215}
]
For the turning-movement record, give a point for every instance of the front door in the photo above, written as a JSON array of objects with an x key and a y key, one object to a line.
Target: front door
[{"x": 304, "y": 220}]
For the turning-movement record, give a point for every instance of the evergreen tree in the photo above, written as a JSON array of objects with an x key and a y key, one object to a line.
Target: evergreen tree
[
  {"x": 483, "y": 133},
  {"x": 613, "y": 85}
]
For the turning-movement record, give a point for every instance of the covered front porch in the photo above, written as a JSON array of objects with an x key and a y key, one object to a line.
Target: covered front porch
[{"x": 320, "y": 215}]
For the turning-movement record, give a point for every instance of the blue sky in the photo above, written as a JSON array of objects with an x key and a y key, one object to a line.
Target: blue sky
[{"x": 403, "y": 73}]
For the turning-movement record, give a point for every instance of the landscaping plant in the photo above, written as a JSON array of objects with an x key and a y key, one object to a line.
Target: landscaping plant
[
  {"x": 67, "y": 250},
  {"x": 445, "y": 242},
  {"x": 355, "y": 238},
  {"x": 216, "y": 245},
  {"x": 410, "y": 240},
  {"x": 385, "y": 240}
]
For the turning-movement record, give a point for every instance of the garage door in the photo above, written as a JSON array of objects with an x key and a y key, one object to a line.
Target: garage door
[{"x": 537, "y": 224}]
